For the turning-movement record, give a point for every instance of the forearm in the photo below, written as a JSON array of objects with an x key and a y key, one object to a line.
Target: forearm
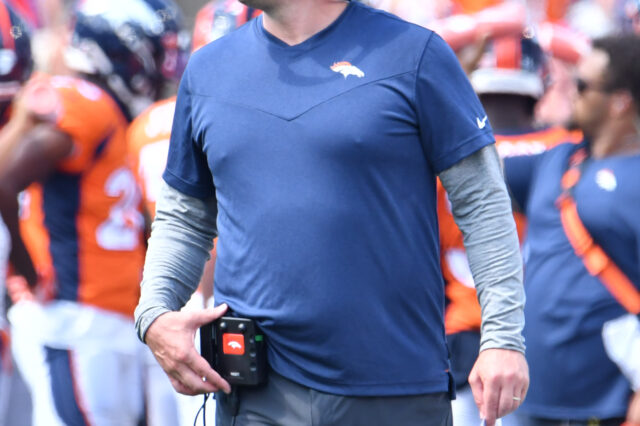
[
  {"x": 482, "y": 210},
  {"x": 181, "y": 239}
]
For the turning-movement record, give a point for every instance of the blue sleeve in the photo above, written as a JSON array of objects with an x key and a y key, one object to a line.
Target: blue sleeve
[
  {"x": 452, "y": 122},
  {"x": 187, "y": 168},
  {"x": 519, "y": 172}
]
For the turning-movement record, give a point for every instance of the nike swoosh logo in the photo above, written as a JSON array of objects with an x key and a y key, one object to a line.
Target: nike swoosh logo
[{"x": 481, "y": 123}]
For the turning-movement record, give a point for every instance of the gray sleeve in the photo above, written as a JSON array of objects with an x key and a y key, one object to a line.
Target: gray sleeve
[
  {"x": 181, "y": 240},
  {"x": 482, "y": 210}
]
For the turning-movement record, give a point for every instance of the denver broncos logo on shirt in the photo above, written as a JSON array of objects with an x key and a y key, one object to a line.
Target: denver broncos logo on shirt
[{"x": 346, "y": 69}]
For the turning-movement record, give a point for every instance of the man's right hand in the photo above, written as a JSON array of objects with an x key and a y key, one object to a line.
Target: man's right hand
[{"x": 171, "y": 339}]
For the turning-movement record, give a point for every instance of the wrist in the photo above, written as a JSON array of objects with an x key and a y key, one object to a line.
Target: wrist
[{"x": 146, "y": 318}]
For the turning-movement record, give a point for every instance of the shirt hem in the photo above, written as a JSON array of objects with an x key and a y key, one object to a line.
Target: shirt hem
[
  {"x": 369, "y": 389},
  {"x": 468, "y": 147},
  {"x": 186, "y": 188}
]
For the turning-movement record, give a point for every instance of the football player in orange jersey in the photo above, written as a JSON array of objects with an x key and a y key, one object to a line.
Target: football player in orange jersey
[
  {"x": 79, "y": 244},
  {"x": 509, "y": 81},
  {"x": 148, "y": 142}
]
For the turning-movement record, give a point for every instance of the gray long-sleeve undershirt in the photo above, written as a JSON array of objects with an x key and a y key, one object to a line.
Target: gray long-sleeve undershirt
[
  {"x": 482, "y": 210},
  {"x": 185, "y": 226}
]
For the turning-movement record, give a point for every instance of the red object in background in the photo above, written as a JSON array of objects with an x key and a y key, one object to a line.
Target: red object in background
[
  {"x": 233, "y": 344},
  {"x": 563, "y": 43},
  {"x": 507, "y": 19}
]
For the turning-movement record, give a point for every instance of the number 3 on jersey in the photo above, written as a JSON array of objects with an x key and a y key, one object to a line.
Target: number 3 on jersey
[{"x": 123, "y": 227}]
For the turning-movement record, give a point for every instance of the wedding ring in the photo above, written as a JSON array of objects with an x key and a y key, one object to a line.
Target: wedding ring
[{"x": 516, "y": 398}]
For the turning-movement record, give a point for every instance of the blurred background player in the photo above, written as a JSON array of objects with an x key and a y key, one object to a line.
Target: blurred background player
[
  {"x": 80, "y": 219},
  {"x": 581, "y": 269},
  {"x": 148, "y": 142},
  {"x": 509, "y": 81},
  {"x": 15, "y": 46}
]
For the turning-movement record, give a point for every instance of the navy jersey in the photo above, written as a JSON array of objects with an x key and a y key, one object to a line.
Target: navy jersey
[
  {"x": 323, "y": 159},
  {"x": 571, "y": 375}
]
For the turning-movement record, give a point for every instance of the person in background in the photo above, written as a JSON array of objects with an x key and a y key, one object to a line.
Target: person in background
[
  {"x": 77, "y": 247},
  {"x": 509, "y": 81},
  {"x": 582, "y": 277}
]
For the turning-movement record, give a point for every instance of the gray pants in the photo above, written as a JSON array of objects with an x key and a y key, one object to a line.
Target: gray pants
[{"x": 282, "y": 402}]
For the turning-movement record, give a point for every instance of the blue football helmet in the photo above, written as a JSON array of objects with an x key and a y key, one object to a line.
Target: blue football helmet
[
  {"x": 16, "y": 62},
  {"x": 130, "y": 47}
]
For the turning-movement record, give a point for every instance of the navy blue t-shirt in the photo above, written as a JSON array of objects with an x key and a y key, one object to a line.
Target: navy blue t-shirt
[
  {"x": 323, "y": 158},
  {"x": 571, "y": 374}
]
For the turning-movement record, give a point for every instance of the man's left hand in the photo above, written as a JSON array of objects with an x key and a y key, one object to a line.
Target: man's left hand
[{"x": 499, "y": 381}]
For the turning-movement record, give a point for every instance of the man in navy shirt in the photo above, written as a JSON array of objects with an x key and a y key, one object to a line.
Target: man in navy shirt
[
  {"x": 571, "y": 314},
  {"x": 309, "y": 141}
]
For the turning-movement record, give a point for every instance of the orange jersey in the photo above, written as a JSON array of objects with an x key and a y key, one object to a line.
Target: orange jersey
[
  {"x": 463, "y": 310},
  {"x": 148, "y": 144},
  {"x": 82, "y": 224}
]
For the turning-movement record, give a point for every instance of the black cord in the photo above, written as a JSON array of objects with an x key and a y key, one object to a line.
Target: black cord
[{"x": 202, "y": 409}]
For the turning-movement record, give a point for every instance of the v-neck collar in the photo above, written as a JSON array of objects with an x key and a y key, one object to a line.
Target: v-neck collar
[{"x": 309, "y": 43}]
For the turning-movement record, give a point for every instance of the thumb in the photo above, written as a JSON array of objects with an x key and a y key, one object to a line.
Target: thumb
[{"x": 205, "y": 316}]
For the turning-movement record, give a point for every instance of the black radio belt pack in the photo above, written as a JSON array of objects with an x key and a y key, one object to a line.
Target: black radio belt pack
[{"x": 235, "y": 349}]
